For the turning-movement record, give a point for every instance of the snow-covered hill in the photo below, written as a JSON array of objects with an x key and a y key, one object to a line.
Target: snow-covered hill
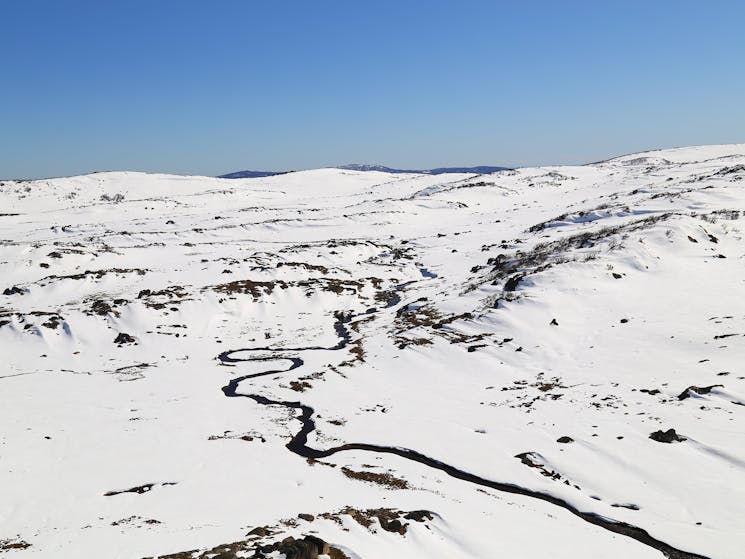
[
  {"x": 397, "y": 365},
  {"x": 379, "y": 168},
  {"x": 481, "y": 169}
]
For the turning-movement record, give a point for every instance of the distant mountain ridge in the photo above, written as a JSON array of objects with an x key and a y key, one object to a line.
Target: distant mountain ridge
[
  {"x": 480, "y": 170},
  {"x": 251, "y": 174}
]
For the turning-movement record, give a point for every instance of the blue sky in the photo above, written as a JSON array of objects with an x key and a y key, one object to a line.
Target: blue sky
[{"x": 210, "y": 87}]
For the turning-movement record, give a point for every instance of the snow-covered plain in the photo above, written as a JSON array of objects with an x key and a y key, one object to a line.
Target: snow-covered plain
[{"x": 476, "y": 320}]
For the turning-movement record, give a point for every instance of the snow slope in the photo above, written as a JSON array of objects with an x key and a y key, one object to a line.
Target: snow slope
[{"x": 189, "y": 363}]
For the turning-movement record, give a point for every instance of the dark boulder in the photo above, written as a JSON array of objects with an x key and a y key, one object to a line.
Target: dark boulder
[
  {"x": 15, "y": 290},
  {"x": 123, "y": 338},
  {"x": 698, "y": 390},
  {"x": 669, "y": 436}
]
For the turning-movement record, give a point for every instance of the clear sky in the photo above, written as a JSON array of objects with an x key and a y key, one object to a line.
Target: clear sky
[{"x": 209, "y": 87}]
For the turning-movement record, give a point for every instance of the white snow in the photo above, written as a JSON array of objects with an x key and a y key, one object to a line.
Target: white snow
[{"x": 651, "y": 298}]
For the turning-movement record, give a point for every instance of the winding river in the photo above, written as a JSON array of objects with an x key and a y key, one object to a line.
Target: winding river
[{"x": 299, "y": 442}]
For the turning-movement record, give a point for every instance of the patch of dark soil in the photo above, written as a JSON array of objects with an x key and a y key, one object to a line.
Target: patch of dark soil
[{"x": 669, "y": 436}]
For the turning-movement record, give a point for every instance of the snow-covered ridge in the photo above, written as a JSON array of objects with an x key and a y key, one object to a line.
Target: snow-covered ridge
[
  {"x": 481, "y": 169},
  {"x": 399, "y": 365}
]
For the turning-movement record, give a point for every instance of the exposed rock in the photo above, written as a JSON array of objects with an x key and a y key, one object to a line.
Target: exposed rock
[
  {"x": 123, "y": 338},
  {"x": 140, "y": 489},
  {"x": 419, "y": 515},
  {"x": 669, "y": 436},
  {"x": 101, "y": 308},
  {"x": 260, "y": 531},
  {"x": 15, "y": 290},
  {"x": 512, "y": 283},
  {"x": 698, "y": 390},
  {"x": 394, "y": 525}
]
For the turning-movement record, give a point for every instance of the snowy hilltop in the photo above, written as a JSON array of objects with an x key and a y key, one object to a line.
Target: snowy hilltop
[{"x": 532, "y": 363}]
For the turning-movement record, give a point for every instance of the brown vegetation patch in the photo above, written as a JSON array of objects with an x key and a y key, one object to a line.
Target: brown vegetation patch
[
  {"x": 390, "y": 520},
  {"x": 249, "y": 287},
  {"x": 13, "y": 544},
  {"x": 98, "y": 274},
  {"x": 386, "y": 480}
]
